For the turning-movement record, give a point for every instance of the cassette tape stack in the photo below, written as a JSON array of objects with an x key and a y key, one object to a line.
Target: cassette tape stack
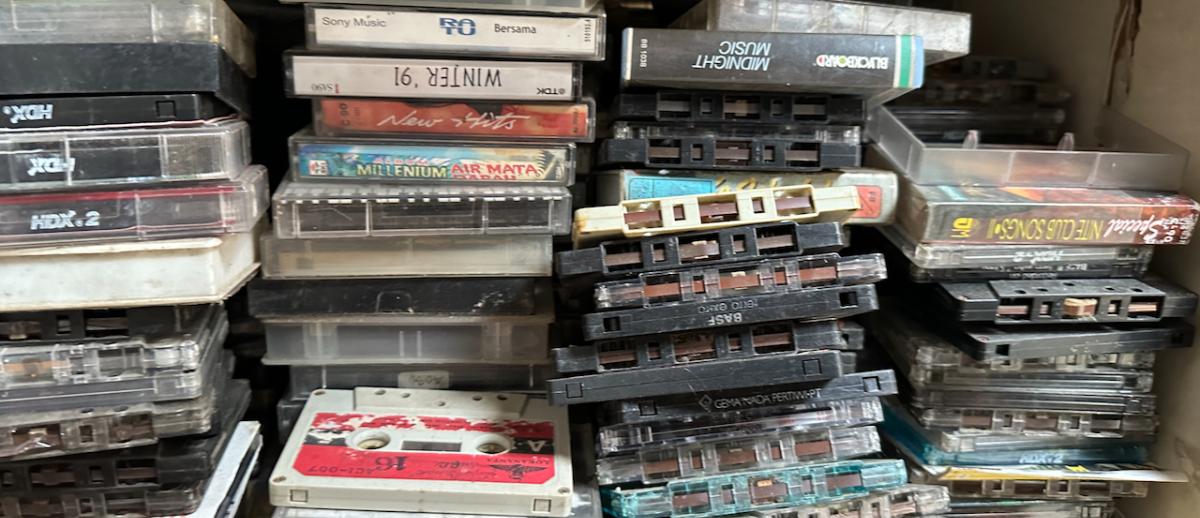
[
  {"x": 1027, "y": 336},
  {"x": 128, "y": 213},
  {"x": 411, "y": 256}
]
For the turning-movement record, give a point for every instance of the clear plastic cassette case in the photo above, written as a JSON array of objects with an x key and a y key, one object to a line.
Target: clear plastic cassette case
[
  {"x": 947, "y": 34},
  {"x": 1034, "y": 398},
  {"x": 992, "y": 508},
  {"x": 455, "y": 376},
  {"x": 40, "y": 22},
  {"x": 936, "y": 256},
  {"x": 120, "y": 370},
  {"x": 508, "y": 121},
  {"x": 757, "y": 490},
  {"x": 553, "y": 6},
  {"x": 408, "y": 256},
  {"x": 658, "y": 465},
  {"x": 81, "y": 157},
  {"x": 132, "y": 500},
  {"x": 429, "y": 31},
  {"x": 303, "y": 210},
  {"x": 212, "y": 208},
  {"x": 909, "y": 500},
  {"x": 1045, "y": 424},
  {"x": 116, "y": 275}
]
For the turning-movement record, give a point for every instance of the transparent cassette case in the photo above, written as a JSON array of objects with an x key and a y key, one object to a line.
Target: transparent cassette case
[
  {"x": 75, "y": 158},
  {"x": 359, "y": 339},
  {"x": 939, "y": 256},
  {"x": 910, "y": 500},
  {"x": 947, "y": 34},
  {"x": 1034, "y": 423},
  {"x": 303, "y": 210},
  {"x": 408, "y": 256},
  {"x": 149, "y": 273},
  {"x": 458, "y": 163},
  {"x": 1127, "y": 156},
  {"x": 430, "y": 31},
  {"x": 462, "y": 376},
  {"x": 41, "y": 22},
  {"x": 115, "y": 371},
  {"x": 585, "y": 503},
  {"x": 131, "y": 500},
  {"x": 994, "y": 508},
  {"x": 757, "y": 490},
  {"x": 536, "y": 6},
  {"x": 213, "y": 208}
]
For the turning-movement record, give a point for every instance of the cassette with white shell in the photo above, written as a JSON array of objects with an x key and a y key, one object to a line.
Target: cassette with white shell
[{"x": 416, "y": 450}]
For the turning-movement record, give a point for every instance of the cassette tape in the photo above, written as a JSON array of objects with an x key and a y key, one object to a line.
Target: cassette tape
[
  {"x": 1089, "y": 425},
  {"x": 444, "y": 79},
  {"x": 725, "y": 374},
  {"x": 1020, "y": 344},
  {"x": 740, "y": 342},
  {"x": 481, "y": 296},
  {"x": 878, "y": 190},
  {"x": 772, "y": 398},
  {"x": 944, "y": 91},
  {"x": 432, "y": 451},
  {"x": 117, "y": 275},
  {"x": 1035, "y": 399},
  {"x": 717, "y": 247},
  {"x": 1032, "y": 509},
  {"x": 408, "y": 256},
  {"x": 463, "y": 376},
  {"x": 356, "y": 339},
  {"x": 107, "y": 110},
  {"x": 67, "y": 374},
  {"x": 585, "y": 503},
  {"x": 877, "y": 67},
  {"x": 946, "y": 34},
  {"x": 177, "y": 460},
  {"x": 541, "y": 6},
  {"x": 716, "y": 283},
  {"x": 307, "y": 210},
  {"x": 1096, "y": 482},
  {"x": 702, "y": 459},
  {"x": 1045, "y": 216},
  {"x": 1026, "y": 273},
  {"x": 626, "y": 438},
  {"x": 435, "y": 32},
  {"x": 790, "y": 148},
  {"x": 370, "y": 160},
  {"x": 698, "y": 106},
  {"x": 1065, "y": 301},
  {"x": 92, "y": 325},
  {"x": 810, "y": 304},
  {"x": 214, "y": 208},
  {"x": 909, "y": 500},
  {"x": 523, "y": 121},
  {"x": 231, "y": 479},
  {"x": 979, "y": 66},
  {"x": 1052, "y": 259},
  {"x": 706, "y": 212},
  {"x": 902, "y": 430},
  {"x": 972, "y": 125},
  {"x": 92, "y": 428},
  {"x": 750, "y": 491},
  {"x": 84, "y": 157}
]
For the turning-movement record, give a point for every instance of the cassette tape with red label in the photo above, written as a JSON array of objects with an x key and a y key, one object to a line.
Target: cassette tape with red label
[{"x": 437, "y": 451}]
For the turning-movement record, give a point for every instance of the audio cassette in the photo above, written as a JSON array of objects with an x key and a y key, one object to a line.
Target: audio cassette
[
  {"x": 408, "y": 256},
  {"x": 1095, "y": 482},
  {"x": 1039, "y": 423},
  {"x": 106, "y": 110},
  {"x": 304, "y": 379},
  {"x": 585, "y": 503},
  {"x": 1073, "y": 301},
  {"x": 910, "y": 500},
  {"x": 1009, "y": 343},
  {"x": 461, "y": 296},
  {"x": 792, "y": 148},
  {"x": 697, "y": 106},
  {"x": 518, "y": 121}
]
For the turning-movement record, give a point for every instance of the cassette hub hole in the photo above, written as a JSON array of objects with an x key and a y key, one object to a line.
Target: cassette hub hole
[
  {"x": 493, "y": 444},
  {"x": 371, "y": 440}
]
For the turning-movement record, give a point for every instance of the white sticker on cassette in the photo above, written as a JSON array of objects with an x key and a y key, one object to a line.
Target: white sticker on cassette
[
  {"x": 455, "y": 31},
  {"x": 432, "y": 78},
  {"x": 424, "y": 380}
]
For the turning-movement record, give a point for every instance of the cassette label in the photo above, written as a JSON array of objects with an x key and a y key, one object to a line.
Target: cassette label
[
  {"x": 477, "y": 33},
  {"x": 342, "y": 76},
  {"x": 558, "y": 121}
]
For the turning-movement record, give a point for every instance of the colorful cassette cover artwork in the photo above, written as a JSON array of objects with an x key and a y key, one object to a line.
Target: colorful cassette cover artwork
[
  {"x": 422, "y": 161},
  {"x": 564, "y": 121}
]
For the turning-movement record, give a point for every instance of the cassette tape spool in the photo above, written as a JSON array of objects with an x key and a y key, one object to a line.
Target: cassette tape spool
[
  {"x": 717, "y": 247},
  {"x": 739, "y": 108},
  {"x": 1055, "y": 258},
  {"x": 1066, "y": 301},
  {"x": 1021, "y": 343},
  {"x": 675, "y": 214},
  {"x": 717, "y": 283},
  {"x": 305, "y": 210},
  {"x": 346, "y": 448},
  {"x": 116, "y": 275},
  {"x": 658, "y": 465},
  {"x": 464, "y": 376},
  {"x": 215, "y": 208},
  {"x": 523, "y": 121},
  {"x": 691, "y": 59},
  {"x": 878, "y": 189},
  {"x": 718, "y": 375},
  {"x": 760, "y": 489},
  {"x": 108, "y": 110},
  {"x": 624, "y": 438},
  {"x": 690, "y": 348},
  {"x": 1035, "y": 399},
  {"x": 810, "y": 304},
  {"x": 442, "y": 79},
  {"x": 909, "y": 500},
  {"x": 1039, "y": 423},
  {"x": 68, "y": 374},
  {"x": 458, "y": 163},
  {"x": 791, "y": 148},
  {"x": 534, "y": 35},
  {"x": 408, "y": 256},
  {"x": 585, "y": 503},
  {"x": 552, "y": 6},
  {"x": 478, "y": 296},
  {"x": 756, "y": 399}
]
